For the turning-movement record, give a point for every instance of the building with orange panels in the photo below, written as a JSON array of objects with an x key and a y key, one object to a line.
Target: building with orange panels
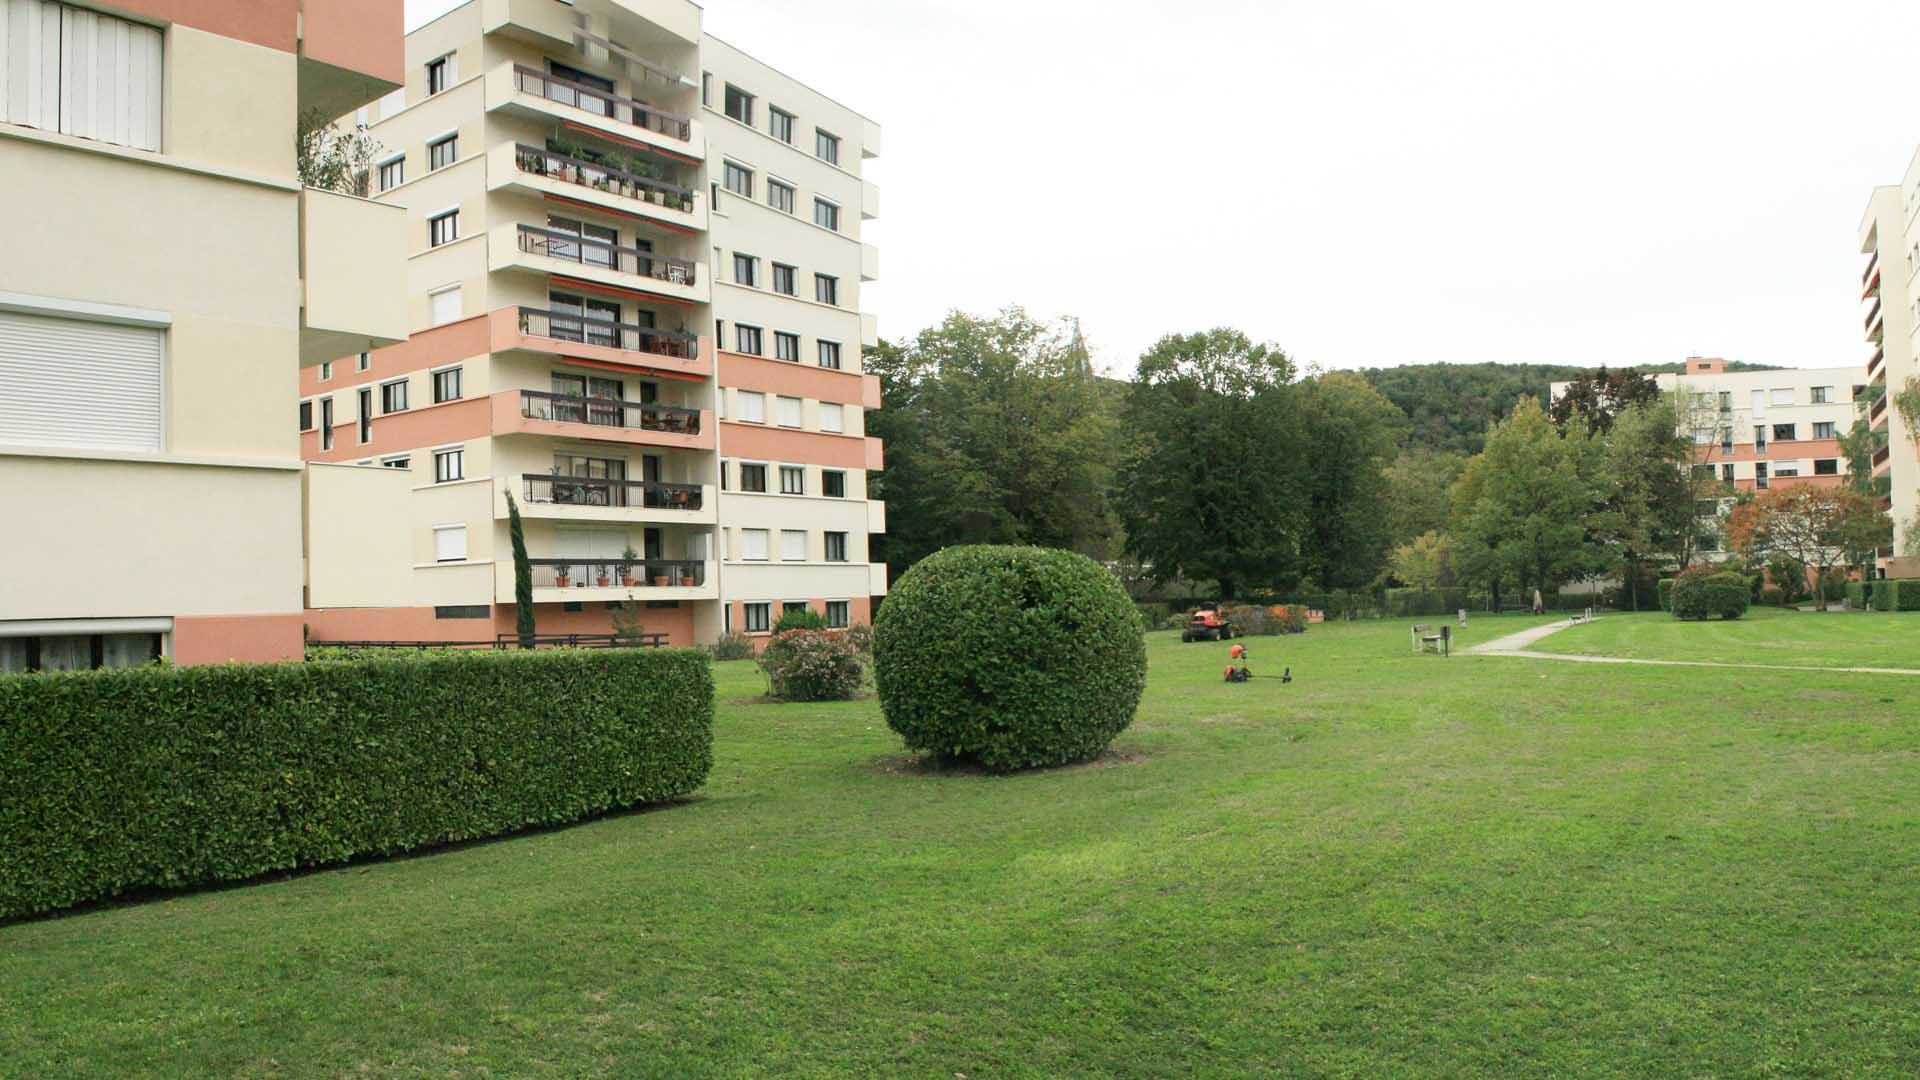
[
  {"x": 1890, "y": 314},
  {"x": 607, "y": 324},
  {"x": 166, "y": 276}
]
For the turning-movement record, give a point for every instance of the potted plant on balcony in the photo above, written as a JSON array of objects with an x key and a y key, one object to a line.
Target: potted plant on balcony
[
  {"x": 600, "y": 575},
  {"x": 662, "y": 575},
  {"x": 561, "y": 579},
  {"x": 686, "y": 577},
  {"x": 629, "y": 574}
]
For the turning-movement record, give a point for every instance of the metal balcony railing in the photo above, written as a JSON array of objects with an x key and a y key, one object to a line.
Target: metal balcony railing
[
  {"x": 1881, "y": 455},
  {"x": 555, "y": 244},
  {"x": 608, "y": 412},
  {"x": 572, "y": 326},
  {"x": 598, "y": 102},
  {"x": 588, "y": 174},
  {"x": 588, "y": 491},
  {"x": 617, "y": 573}
]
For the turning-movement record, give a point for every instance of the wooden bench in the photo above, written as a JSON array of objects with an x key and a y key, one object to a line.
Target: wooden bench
[{"x": 1427, "y": 639}]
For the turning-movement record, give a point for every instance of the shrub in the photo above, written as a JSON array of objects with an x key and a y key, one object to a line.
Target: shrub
[
  {"x": 1856, "y": 596},
  {"x": 732, "y": 647},
  {"x": 1773, "y": 596},
  {"x": 1406, "y": 602},
  {"x": 1897, "y": 594},
  {"x": 1154, "y": 615},
  {"x": 1666, "y": 594},
  {"x": 155, "y": 777},
  {"x": 1705, "y": 593},
  {"x": 860, "y": 636},
  {"x": 1288, "y": 618},
  {"x": 799, "y": 619},
  {"x": 1012, "y": 657},
  {"x": 812, "y": 665}
]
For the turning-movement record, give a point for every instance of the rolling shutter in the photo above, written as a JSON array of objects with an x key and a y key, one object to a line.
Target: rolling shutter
[
  {"x": 80, "y": 72},
  {"x": 74, "y": 383}
]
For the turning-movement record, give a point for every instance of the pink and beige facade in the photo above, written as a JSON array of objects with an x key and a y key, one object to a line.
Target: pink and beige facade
[
  {"x": 681, "y": 434},
  {"x": 1890, "y": 314},
  {"x": 165, "y": 274}
]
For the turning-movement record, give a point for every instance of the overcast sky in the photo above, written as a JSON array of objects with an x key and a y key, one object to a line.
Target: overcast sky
[{"x": 1372, "y": 182}]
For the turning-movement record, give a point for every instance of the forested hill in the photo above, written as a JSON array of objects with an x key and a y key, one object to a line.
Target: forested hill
[{"x": 1450, "y": 405}]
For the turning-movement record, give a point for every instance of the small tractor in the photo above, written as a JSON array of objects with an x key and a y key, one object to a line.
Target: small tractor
[{"x": 1208, "y": 624}]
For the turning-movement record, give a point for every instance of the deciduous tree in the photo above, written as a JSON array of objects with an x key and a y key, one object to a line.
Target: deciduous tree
[
  {"x": 1814, "y": 526},
  {"x": 1521, "y": 508},
  {"x": 1599, "y": 397}
]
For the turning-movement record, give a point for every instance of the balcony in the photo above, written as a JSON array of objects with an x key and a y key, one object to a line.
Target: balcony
[
  {"x": 530, "y": 170},
  {"x": 577, "y": 498},
  {"x": 1877, "y": 412},
  {"x": 1873, "y": 320},
  {"x": 1876, "y": 365},
  {"x": 536, "y": 412},
  {"x": 593, "y": 264},
  {"x": 569, "y": 334},
  {"x": 869, "y": 200},
  {"x": 576, "y": 579},
  {"x": 523, "y": 91},
  {"x": 1873, "y": 282},
  {"x": 353, "y": 275},
  {"x": 544, "y": 23},
  {"x": 351, "y": 52},
  {"x": 1880, "y": 459}
]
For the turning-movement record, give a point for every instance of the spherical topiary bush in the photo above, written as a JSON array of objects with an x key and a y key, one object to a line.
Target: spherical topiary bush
[
  {"x": 1705, "y": 594},
  {"x": 1011, "y": 657}
]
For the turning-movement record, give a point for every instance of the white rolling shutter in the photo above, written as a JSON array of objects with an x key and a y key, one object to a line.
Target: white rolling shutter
[
  {"x": 30, "y": 63},
  {"x": 109, "y": 79},
  {"x": 445, "y": 306},
  {"x": 73, "y": 383}
]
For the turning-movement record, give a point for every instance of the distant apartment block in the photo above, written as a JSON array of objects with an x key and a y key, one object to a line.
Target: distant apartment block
[{"x": 165, "y": 275}]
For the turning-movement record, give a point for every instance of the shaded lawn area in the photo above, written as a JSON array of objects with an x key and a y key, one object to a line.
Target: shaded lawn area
[
  {"x": 1397, "y": 866},
  {"x": 1764, "y": 636}
]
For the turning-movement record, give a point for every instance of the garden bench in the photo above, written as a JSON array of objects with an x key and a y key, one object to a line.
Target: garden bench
[{"x": 1426, "y": 639}]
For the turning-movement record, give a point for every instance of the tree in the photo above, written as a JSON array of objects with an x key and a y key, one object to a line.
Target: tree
[
  {"x": 1522, "y": 506},
  {"x": 1212, "y": 490},
  {"x": 522, "y": 576},
  {"x": 1418, "y": 485},
  {"x": 331, "y": 159},
  {"x": 1651, "y": 507},
  {"x": 1424, "y": 563},
  {"x": 1349, "y": 433},
  {"x": 1599, "y": 397},
  {"x": 1813, "y": 526}
]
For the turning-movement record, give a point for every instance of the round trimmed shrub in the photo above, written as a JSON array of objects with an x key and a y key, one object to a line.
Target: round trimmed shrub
[
  {"x": 1708, "y": 594},
  {"x": 812, "y": 665},
  {"x": 1010, "y": 657}
]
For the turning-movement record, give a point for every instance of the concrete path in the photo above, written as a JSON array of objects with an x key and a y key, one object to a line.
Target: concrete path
[{"x": 1516, "y": 645}]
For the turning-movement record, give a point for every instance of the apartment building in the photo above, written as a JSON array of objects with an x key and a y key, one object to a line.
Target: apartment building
[
  {"x": 568, "y": 221},
  {"x": 1890, "y": 295},
  {"x": 165, "y": 275}
]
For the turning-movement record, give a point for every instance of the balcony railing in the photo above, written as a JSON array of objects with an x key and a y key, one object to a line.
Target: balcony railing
[
  {"x": 1875, "y": 410},
  {"x": 588, "y": 174},
  {"x": 616, "y": 573},
  {"x": 569, "y": 326},
  {"x": 588, "y": 491},
  {"x": 608, "y": 412},
  {"x": 1881, "y": 455},
  {"x": 555, "y": 244},
  {"x": 591, "y": 99}
]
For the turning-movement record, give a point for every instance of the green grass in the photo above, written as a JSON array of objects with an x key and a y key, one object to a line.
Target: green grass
[
  {"x": 1764, "y": 636},
  {"x": 1396, "y": 866}
]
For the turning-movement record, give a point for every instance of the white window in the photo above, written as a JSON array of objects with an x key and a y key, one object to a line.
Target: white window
[
  {"x": 838, "y": 614},
  {"x": 826, "y": 146},
  {"x": 398, "y": 461},
  {"x": 830, "y": 354},
  {"x": 443, "y": 228},
  {"x": 739, "y": 105},
  {"x": 793, "y": 545},
  {"x": 789, "y": 411},
  {"x": 786, "y": 346},
  {"x": 737, "y": 179},
  {"x": 326, "y": 423},
  {"x": 444, "y": 306},
  {"x": 449, "y": 465},
  {"x": 363, "y": 361},
  {"x": 780, "y": 196},
  {"x": 759, "y": 617},
  {"x": 80, "y": 72},
  {"x": 449, "y": 543},
  {"x": 446, "y": 385},
  {"x": 442, "y": 73},
  {"x": 393, "y": 396},
  {"x": 393, "y": 172},
  {"x": 780, "y": 125},
  {"x": 1783, "y": 397},
  {"x": 753, "y": 545},
  {"x": 832, "y": 417},
  {"x": 74, "y": 383},
  {"x": 793, "y": 480},
  {"x": 826, "y": 215},
  {"x": 326, "y": 371},
  {"x": 836, "y": 547},
  {"x": 753, "y": 406},
  {"x": 443, "y": 152},
  {"x": 1822, "y": 395}
]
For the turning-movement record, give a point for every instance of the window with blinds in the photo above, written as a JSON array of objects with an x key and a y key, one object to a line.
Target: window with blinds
[
  {"x": 80, "y": 72},
  {"x": 76, "y": 383}
]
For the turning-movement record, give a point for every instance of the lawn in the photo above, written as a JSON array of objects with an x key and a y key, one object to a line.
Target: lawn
[
  {"x": 1764, "y": 636},
  {"x": 1396, "y": 866}
]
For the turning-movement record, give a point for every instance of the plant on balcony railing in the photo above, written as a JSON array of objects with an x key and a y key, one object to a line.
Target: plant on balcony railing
[
  {"x": 573, "y": 326},
  {"x": 333, "y": 160},
  {"x": 630, "y": 570},
  {"x": 561, "y": 489},
  {"x": 626, "y": 177}
]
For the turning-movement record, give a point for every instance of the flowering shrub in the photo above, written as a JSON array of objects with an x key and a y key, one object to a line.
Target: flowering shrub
[
  {"x": 812, "y": 665},
  {"x": 860, "y": 636}
]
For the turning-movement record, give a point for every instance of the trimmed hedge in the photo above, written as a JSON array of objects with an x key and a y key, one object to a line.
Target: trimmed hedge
[
  {"x": 1254, "y": 620},
  {"x": 1772, "y": 596},
  {"x": 1896, "y": 594},
  {"x": 1856, "y": 596},
  {"x": 168, "y": 777},
  {"x": 1011, "y": 657},
  {"x": 1666, "y": 594},
  {"x": 1705, "y": 594},
  {"x": 1404, "y": 602}
]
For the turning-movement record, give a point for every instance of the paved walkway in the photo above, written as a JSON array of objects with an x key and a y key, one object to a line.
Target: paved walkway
[{"x": 1516, "y": 645}]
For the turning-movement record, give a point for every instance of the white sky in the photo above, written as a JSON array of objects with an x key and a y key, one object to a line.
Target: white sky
[{"x": 1372, "y": 182}]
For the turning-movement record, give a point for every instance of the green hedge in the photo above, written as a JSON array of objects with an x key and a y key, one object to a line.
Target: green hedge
[
  {"x": 1666, "y": 594},
  {"x": 1897, "y": 594},
  {"x": 1406, "y": 602},
  {"x": 1856, "y": 596},
  {"x": 165, "y": 777},
  {"x": 1706, "y": 594}
]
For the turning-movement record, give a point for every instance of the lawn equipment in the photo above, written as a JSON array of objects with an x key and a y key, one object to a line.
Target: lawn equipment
[
  {"x": 1208, "y": 624},
  {"x": 1242, "y": 673}
]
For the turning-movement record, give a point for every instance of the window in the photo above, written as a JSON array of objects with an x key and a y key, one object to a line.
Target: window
[
  {"x": 793, "y": 607},
  {"x": 737, "y": 179},
  {"x": 393, "y": 396},
  {"x": 753, "y": 478},
  {"x": 780, "y": 196},
  {"x": 739, "y": 104},
  {"x": 1726, "y": 473},
  {"x": 1760, "y": 475},
  {"x": 759, "y": 617},
  {"x": 753, "y": 406},
  {"x": 1822, "y": 395},
  {"x": 748, "y": 338},
  {"x": 706, "y": 88},
  {"x": 326, "y": 423},
  {"x": 443, "y": 228},
  {"x": 446, "y": 385},
  {"x": 746, "y": 270},
  {"x": 833, "y": 483},
  {"x": 326, "y": 371},
  {"x": 793, "y": 480},
  {"x": 1787, "y": 470},
  {"x": 306, "y": 415},
  {"x": 393, "y": 173},
  {"x": 363, "y": 361},
  {"x": 788, "y": 411},
  {"x": 786, "y": 346},
  {"x": 826, "y": 289},
  {"x": 1726, "y": 440},
  {"x": 443, "y": 152},
  {"x": 783, "y": 276},
  {"x": 462, "y": 611},
  {"x": 832, "y": 417},
  {"x": 440, "y": 74},
  {"x": 1826, "y": 467},
  {"x": 839, "y": 615},
  {"x": 81, "y": 73},
  {"x": 1784, "y": 432},
  {"x": 449, "y": 465},
  {"x": 450, "y": 543},
  {"x": 77, "y": 651},
  {"x": 1726, "y": 401},
  {"x": 1759, "y": 438},
  {"x": 826, "y": 146},
  {"x": 1783, "y": 397},
  {"x": 826, "y": 215},
  {"x": 724, "y": 467},
  {"x": 398, "y": 461},
  {"x": 445, "y": 306},
  {"x": 713, "y": 196},
  {"x": 365, "y": 400},
  {"x": 830, "y": 355},
  {"x": 780, "y": 124},
  {"x": 793, "y": 545},
  {"x": 753, "y": 545},
  {"x": 1823, "y": 429},
  {"x": 836, "y": 547}
]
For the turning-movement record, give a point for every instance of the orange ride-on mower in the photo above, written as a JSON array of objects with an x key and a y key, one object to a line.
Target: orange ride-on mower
[{"x": 1208, "y": 624}]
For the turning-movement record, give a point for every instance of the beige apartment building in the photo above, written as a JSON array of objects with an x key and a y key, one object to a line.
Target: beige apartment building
[
  {"x": 632, "y": 277},
  {"x": 164, "y": 276},
  {"x": 1890, "y": 295}
]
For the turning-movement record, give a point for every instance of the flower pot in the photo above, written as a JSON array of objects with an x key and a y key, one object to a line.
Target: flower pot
[
  {"x": 601, "y": 581},
  {"x": 686, "y": 581},
  {"x": 561, "y": 581},
  {"x": 660, "y": 580},
  {"x": 632, "y": 581}
]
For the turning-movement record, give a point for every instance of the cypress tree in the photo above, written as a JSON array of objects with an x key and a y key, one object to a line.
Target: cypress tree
[{"x": 522, "y": 576}]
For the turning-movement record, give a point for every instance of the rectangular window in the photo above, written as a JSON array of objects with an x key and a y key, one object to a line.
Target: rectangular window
[
  {"x": 1726, "y": 474},
  {"x": 788, "y": 413},
  {"x": 365, "y": 397},
  {"x": 759, "y": 617},
  {"x": 753, "y": 478},
  {"x": 826, "y": 289},
  {"x": 1760, "y": 475},
  {"x": 1823, "y": 429},
  {"x": 786, "y": 346},
  {"x": 739, "y": 105},
  {"x": 836, "y": 547},
  {"x": 830, "y": 355},
  {"x": 839, "y": 614},
  {"x": 826, "y": 215},
  {"x": 746, "y": 270},
  {"x": 1726, "y": 401},
  {"x": 1787, "y": 470},
  {"x": 792, "y": 607},
  {"x": 1759, "y": 437},
  {"x": 445, "y": 306},
  {"x": 833, "y": 483},
  {"x": 793, "y": 545},
  {"x": 443, "y": 228},
  {"x": 753, "y": 406},
  {"x": 326, "y": 423},
  {"x": 725, "y": 468},
  {"x": 753, "y": 545},
  {"x": 449, "y": 465},
  {"x": 780, "y": 124},
  {"x": 326, "y": 371},
  {"x": 832, "y": 417},
  {"x": 706, "y": 88},
  {"x": 1783, "y": 432},
  {"x": 462, "y": 611},
  {"x": 306, "y": 415},
  {"x": 783, "y": 276},
  {"x": 393, "y": 173},
  {"x": 440, "y": 74},
  {"x": 1822, "y": 395},
  {"x": 748, "y": 338},
  {"x": 826, "y": 146},
  {"x": 81, "y": 73},
  {"x": 780, "y": 196},
  {"x": 401, "y": 461},
  {"x": 1826, "y": 467},
  {"x": 793, "y": 480},
  {"x": 737, "y": 179},
  {"x": 450, "y": 543},
  {"x": 363, "y": 361},
  {"x": 446, "y": 385},
  {"x": 443, "y": 153},
  {"x": 393, "y": 396}
]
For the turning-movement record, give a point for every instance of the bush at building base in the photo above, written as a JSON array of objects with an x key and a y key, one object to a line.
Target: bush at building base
[
  {"x": 1705, "y": 593},
  {"x": 157, "y": 777},
  {"x": 1010, "y": 657},
  {"x": 812, "y": 665},
  {"x": 1896, "y": 594}
]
